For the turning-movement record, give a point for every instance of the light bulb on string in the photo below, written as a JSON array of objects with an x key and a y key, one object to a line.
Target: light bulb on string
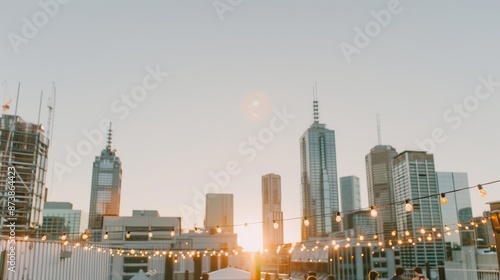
[
  {"x": 422, "y": 231},
  {"x": 393, "y": 233},
  {"x": 483, "y": 220},
  {"x": 44, "y": 237},
  {"x": 407, "y": 233},
  {"x": 482, "y": 192},
  {"x": 219, "y": 230},
  {"x": 444, "y": 200},
  {"x": 275, "y": 224},
  {"x": 408, "y": 206},
  {"x": 63, "y": 237},
  {"x": 338, "y": 218},
  {"x": 150, "y": 234},
  {"x": 127, "y": 235},
  {"x": 106, "y": 235},
  {"x": 373, "y": 212},
  {"x": 306, "y": 222}
]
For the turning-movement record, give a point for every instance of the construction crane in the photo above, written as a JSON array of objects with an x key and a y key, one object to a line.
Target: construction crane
[{"x": 7, "y": 100}]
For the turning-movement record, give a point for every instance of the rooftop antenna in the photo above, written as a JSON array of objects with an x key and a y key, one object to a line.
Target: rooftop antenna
[
  {"x": 108, "y": 147},
  {"x": 379, "y": 131},
  {"x": 315, "y": 103}
]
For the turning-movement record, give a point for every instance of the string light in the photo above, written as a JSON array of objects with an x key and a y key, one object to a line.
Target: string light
[
  {"x": 44, "y": 237},
  {"x": 106, "y": 235},
  {"x": 127, "y": 235},
  {"x": 63, "y": 237},
  {"x": 483, "y": 220},
  {"x": 373, "y": 212},
  {"x": 338, "y": 218},
  {"x": 275, "y": 224},
  {"x": 306, "y": 222},
  {"x": 150, "y": 234},
  {"x": 393, "y": 233},
  {"x": 422, "y": 231},
  {"x": 26, "y": 237},
  {"x": 408, "y": 206},
  {"x": 444, "y": 200},
  {"x": 482, "y": 191},
  {"x": 172, "y": 233},
  {"x": 407, "y": 233},
  {"x": 219, "y": 230}
]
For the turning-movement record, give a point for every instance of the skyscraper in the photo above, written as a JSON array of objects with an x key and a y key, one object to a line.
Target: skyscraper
[
  {"x": 320, "y": 193},
  {"x": 380, "y": 184},
  {"x": 219, "y": 213},
  {"x": 271, "y": 211},
  {"x": 458, "y": 209},
  {"x": 350, "y": 198},
  {"x": 106, "y": 188},
  {"x": 415, "y": 181},
  {"x": 23, "y": 167}
]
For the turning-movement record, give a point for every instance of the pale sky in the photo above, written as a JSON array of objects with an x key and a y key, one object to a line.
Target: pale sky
[{"x": 229, "y": 70}]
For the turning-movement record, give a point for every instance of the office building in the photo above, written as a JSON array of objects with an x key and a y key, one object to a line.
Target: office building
[
  {"x": 380, "y": 184},
  {"x": 106, "y": 188},
  {"x": 59, "y": 218},
  {"x": 23, "y": 168},
  {"x": 350, "y": 198},
  {"x": 219, "y": 213},
  {"x": 420, "y": 229},
  {"x": 458, "y": 208},
  {"x": 271, "y": 211},
  {"x": 319, "y": 182},
  {"x": 154, "y": 243}
]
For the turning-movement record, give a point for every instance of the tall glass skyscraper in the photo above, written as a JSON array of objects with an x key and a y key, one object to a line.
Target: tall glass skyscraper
[
  {"x": 320, "y": 193},
  {"x": 380, "y": 184},
  {"x": 458, "y": 209},
  {"x": 106, "y": 189},
  {"x": 415, "y": 180},
  {"x": 350, "y": 198},
  {"x": 271, "y": 211}
]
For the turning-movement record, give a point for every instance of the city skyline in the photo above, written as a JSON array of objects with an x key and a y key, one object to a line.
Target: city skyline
[{"x": 229, "y": 79}]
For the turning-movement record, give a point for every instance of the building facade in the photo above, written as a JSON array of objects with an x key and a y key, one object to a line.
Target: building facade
[
  {"x": 271, "y": 211},
  {"x": 219, "y": 214},
  {"x": 350, "y": 198},
  {"x": 319, "y": 182},
  {"x": 106, "y": 188},
  {"x": 458, "y": 209},
  {"x": 59, "y": 218},
  {"x": 157, "y": 244},
  {"x": 23, "y": 157},
  {"x": 419, "y": 231},
  {"x": 379, "y": 178}
]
